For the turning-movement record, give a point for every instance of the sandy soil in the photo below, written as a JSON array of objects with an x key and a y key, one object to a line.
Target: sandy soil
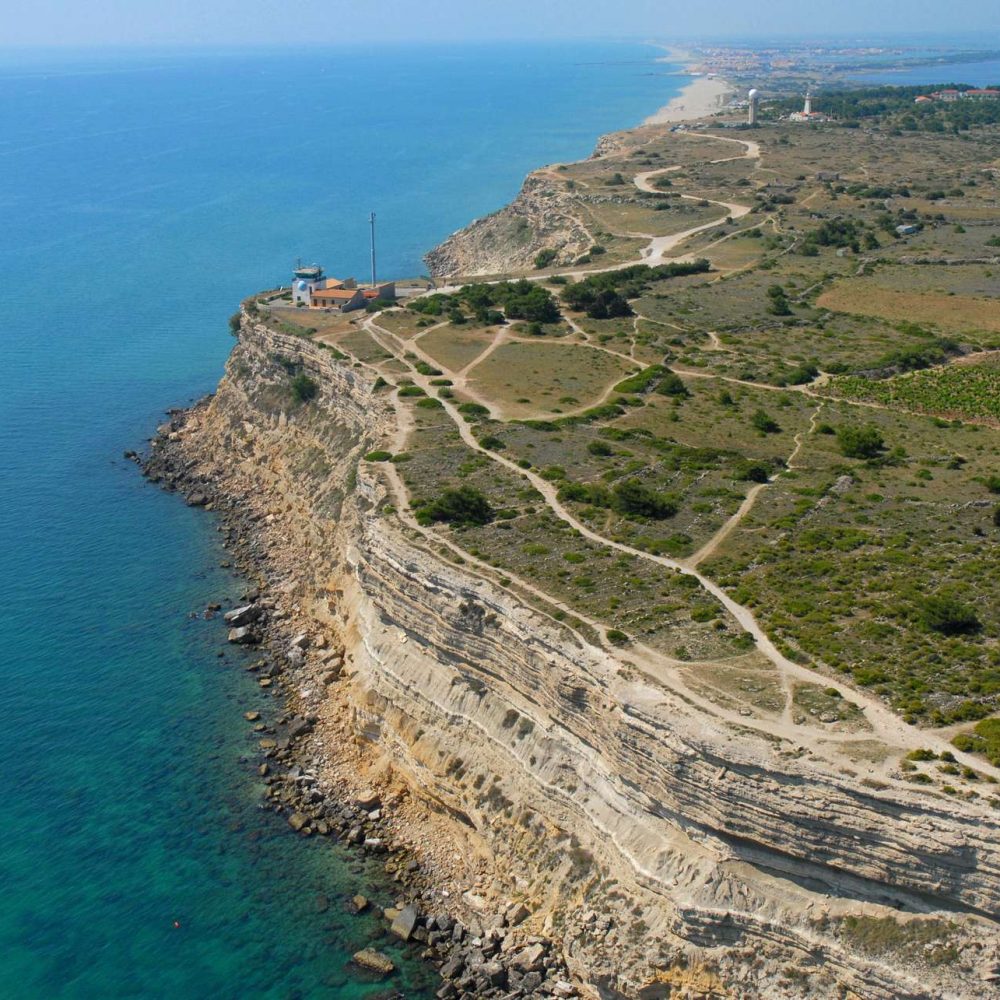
[{"x": 699, "y": 99}]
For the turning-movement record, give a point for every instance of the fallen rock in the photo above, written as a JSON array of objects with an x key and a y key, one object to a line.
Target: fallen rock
[
  {"x": 367, "y": 799},
  {"x": 246, "y": 615},
  {"x": 375, "y": 961},
  {"x": 530, "y": 959},
  {"x": 404, "y": 924},
  {"x": 297, "y": 821},
  {"x": 242, "y": 636},
  {"x": 360, "y": 903}
]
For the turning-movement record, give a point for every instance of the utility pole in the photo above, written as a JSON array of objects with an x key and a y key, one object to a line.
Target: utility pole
[{"x": 372, "y": 221}]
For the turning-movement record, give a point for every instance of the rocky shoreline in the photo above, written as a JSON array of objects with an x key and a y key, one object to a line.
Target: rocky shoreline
[{"x": 477, "y": 940}]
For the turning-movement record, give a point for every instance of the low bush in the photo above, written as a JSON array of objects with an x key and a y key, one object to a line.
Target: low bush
[
  {"x": 463, "y": 506},
  {"x": 545, "y": 257},
  {"x": 304, "y": 388},
  {"x": 860, "y": 442},
  {"x": 946, "y": 614}
]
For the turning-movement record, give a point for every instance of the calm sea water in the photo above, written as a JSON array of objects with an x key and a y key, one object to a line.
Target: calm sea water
[
  {"x": 979, "y": 74},
  {"x": 140, "y": 198}
]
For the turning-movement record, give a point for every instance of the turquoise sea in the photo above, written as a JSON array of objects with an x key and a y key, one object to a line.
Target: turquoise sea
[{"x": 141, "y": 196}]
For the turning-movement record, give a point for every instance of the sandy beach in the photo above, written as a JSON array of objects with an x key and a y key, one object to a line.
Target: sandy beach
[{"x": 702, "y": 97}]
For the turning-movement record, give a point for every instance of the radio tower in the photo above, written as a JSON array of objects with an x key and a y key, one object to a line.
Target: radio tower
[{"x": 372, "y": 221}]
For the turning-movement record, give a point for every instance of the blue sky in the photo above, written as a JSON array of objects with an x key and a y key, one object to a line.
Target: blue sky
[{"x": 241, "y": 22}]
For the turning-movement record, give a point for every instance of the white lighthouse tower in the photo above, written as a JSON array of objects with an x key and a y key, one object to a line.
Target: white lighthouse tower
[
  {"x": 754, "y": 96},
  {"x": 808, "y": 109}
]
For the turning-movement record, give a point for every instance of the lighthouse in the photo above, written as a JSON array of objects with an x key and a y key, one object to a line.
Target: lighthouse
[
  {"x": 808, "y": 109},
  {"x": 754, "y": 97}
]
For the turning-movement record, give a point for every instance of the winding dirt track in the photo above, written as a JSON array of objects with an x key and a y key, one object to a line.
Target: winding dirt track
[{"x": 885, "y": 724}]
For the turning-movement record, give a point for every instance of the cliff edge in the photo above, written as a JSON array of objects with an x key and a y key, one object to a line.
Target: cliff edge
[{"x": 664, "y": 852}]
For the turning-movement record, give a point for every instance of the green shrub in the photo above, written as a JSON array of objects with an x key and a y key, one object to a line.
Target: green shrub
[
  {"x": 378, "y": 456},
  {"x": 641, "y": 381},
  {"x": 753, "y": 472},
  {"x": 464, "y": 506},
  {"x": 632, "y": 496},
  {"x": 672, "y": 385},
  {"x": 473, "y": 409},
  {"x": 948, "y": 615},
  {"x": 764, "y": 423},
  {"x": 304, "y": 388},
  {"x": 860, "y": 442},
  {"x": 778, "y": 301},
  {"x": 411, "y": 390},
  {"x": 617, "y": 638},
  {"x": 545, "y": 257}
]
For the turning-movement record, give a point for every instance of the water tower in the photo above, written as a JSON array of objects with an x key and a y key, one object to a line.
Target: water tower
[{"x": 754, "y": 96}]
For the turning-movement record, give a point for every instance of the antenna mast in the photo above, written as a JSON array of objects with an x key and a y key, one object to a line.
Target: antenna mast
[{"x": 372, "y": 221}]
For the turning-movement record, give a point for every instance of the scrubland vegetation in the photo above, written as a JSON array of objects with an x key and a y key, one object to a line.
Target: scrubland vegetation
[{"x": 807, "y": 356}]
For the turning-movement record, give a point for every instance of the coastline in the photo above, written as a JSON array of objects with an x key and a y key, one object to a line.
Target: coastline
[
  {"x": 452, "y": 909},
  {"x": 701, "y": 98},
  {"x": 318, "y": 775}
]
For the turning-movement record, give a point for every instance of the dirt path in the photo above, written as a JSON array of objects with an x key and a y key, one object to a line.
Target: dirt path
[
  {"x": 712, "y": 545},
  {"x": 709, "y": 548},
  {"x": 885, "y": 724}
]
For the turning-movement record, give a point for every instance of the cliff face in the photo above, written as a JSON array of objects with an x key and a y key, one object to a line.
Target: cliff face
[
  {"x": 542, "y": 216},
  {"x": 669, "y": 855}
]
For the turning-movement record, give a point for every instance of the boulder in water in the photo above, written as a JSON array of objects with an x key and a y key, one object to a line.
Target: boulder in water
[{"x": 374, "y": 961}]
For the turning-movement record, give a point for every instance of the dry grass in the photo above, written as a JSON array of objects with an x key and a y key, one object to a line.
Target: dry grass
[
  {"x": 546, "y": 374},
  {"x": 954, "y": 313},
  {"x": 455, "y": 347}
]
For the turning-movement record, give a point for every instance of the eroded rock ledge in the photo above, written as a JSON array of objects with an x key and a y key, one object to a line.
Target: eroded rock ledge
[{"x": 668, "y": 854}]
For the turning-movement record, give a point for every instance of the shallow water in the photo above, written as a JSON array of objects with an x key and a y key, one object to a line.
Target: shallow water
[
  {"x": 141, "y": 197},
  {"x": 978, "y": 74}
]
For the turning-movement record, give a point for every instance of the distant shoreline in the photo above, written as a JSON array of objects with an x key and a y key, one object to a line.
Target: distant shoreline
[{"x": 702, "y": 97}]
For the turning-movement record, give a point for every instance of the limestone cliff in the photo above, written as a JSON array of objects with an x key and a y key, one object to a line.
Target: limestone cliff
[
  {"x": 543, "y": 215},
  {"x": 668, "y": 854}
]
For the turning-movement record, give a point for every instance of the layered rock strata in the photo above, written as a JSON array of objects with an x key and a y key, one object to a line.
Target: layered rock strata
[{"x": 666, "y": 853}]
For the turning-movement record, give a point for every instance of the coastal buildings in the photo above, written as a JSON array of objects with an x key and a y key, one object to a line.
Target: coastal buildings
[
  {"x": 950, "y": 96},
  {"x": 312, "y": 290},
  {"x": 807, "y": 114}
]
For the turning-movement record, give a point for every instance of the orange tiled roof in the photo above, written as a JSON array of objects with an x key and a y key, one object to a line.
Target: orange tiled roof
[{"x": 336, "y": 293}]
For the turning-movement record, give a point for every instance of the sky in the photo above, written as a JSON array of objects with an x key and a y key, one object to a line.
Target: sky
[{"x": 254, "y": 22}]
